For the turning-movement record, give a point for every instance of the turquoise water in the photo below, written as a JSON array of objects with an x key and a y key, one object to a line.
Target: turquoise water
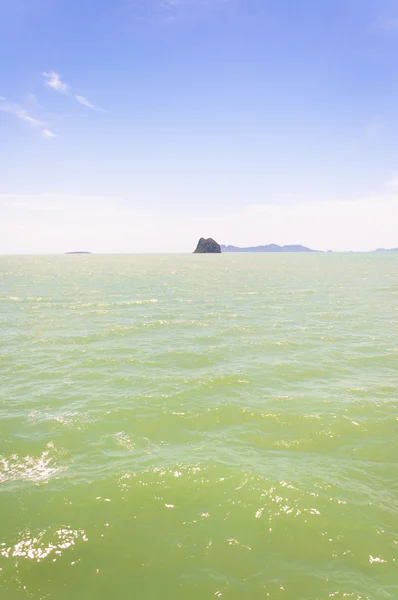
[{"x": 208, "y": 426}]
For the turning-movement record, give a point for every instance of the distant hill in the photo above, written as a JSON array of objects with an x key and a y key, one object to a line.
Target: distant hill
[
  {"x": 268, "y": 248},
  {"x": 386, "y": 250},
  {"x": 78, "y": 252}
]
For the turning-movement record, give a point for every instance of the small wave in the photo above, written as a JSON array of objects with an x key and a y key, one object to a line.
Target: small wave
[
  {"x": 156, "y": 323},
  {"x": 77, "y": 420},
  {"x": 29, "y": 468},
  {"x": 90, "y": 304},
  {"x": 104, "y": 305},
  {"x": 131, "y": 302},
  {"x": 124, "y": 440}
]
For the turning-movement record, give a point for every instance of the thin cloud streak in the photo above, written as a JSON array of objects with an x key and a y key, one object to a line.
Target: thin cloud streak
[
  {"x": 23, "y": 115},
  {"x": 53, "y": 80},
  {"x": 83, "y": 100},
  {"x": 48, "y": 134}
]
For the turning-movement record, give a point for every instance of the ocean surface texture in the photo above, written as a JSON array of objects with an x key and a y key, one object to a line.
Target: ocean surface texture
[{"x": 197, "y": 427}]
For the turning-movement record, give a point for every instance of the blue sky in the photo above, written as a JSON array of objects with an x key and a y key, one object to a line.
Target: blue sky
[{"x": 141, "y": 125}]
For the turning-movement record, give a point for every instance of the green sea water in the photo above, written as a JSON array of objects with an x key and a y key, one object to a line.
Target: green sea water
[{"x": 199, "y": 426}]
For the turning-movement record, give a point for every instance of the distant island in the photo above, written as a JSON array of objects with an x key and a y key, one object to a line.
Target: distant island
[
  {"x": 291, "y": 248},
  {"x": 208, "y": 246},
  {"x": 268, "y": 248},
  {"x": 79, "y": 252},
  {"x": 386, "y": 250}
]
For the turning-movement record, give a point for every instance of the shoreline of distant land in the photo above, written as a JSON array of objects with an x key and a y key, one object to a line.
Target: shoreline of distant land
[
  {"x": 298, "y": 248},
  {"x": 269, "y": 248}
]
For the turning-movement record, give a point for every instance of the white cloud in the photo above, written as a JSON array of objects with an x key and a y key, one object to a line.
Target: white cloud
[
  {"x": 53, "y": 80},
  {"x": 23, "y": 115},
  {"x": 20, "y": 113},
  {"x": 48, "y": 134},
  {"x": 83, "y": 100}
]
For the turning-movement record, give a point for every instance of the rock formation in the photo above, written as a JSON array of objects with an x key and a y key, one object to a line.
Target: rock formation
[{"x": 208, "y": 246}]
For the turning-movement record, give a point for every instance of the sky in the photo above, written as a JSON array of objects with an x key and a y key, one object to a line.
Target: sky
[{"x": 142, "y": 125}]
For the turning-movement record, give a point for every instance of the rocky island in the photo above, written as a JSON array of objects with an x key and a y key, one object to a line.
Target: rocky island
[{"x": 208, "y": 246}]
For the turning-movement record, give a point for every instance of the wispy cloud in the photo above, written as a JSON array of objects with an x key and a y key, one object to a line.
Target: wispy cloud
[
  {"x": 47, "y": 133},
  {"x": 53, "y": 80},
  {"x": 22, "y": 114},
  {"x": 83, "y": 100}
]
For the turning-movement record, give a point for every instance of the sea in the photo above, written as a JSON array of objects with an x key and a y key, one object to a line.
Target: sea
[{"x": 199, "y": 427}]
